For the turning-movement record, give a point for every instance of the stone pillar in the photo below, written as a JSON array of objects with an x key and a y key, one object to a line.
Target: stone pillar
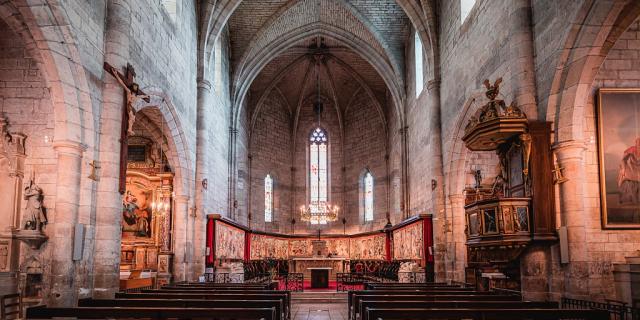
[
  {"x": 456, "y": 248},
  {"x": 570, "y": 160},
  {"x": 436, "y": 173},
  {"x": 64, "y": 287},
  {"x": 535, "y": 272},
  {"x": 181, "y": 242},
  {"x": 202, "y": 204},
  {"x": 521, "y": 52},
  {"x": 232, "y": 161},
  {"x": 406, "y": 202},
  {"x": 106, "y": 265}
]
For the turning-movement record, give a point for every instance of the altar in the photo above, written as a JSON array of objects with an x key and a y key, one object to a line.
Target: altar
[
  {"x": 334, "y": 265},
  {"x": 320, "y": 277}
]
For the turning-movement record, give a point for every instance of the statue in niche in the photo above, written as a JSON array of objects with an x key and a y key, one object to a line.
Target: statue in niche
[
  {"x": 34, "y": 212},
  {"x": 499, "y": 187}
]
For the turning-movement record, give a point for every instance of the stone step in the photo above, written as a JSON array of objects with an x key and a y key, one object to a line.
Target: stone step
[{"x": 319, "y": 297}]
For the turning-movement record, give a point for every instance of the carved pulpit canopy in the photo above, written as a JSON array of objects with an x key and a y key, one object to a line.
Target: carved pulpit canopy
[{"x": 494, "y": 123}]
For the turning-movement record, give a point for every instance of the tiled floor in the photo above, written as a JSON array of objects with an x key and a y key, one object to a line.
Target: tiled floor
[{"x": 319, "y": 311}]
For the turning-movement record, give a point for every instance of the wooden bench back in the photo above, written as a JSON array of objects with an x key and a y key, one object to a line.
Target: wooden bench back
[
  {"x": 389, "y": 304},
  {"x": 11, "y": 306},
  {"x": 485, "y": 314},
  {"x": 159, "y": 303},
  {"x": 152, "y": 313},
  {"x": 354, "y": 299}
]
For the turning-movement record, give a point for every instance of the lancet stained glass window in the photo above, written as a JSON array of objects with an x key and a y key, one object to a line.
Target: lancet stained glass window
[
  {"x": 419, "y": 69},
  {"x": 318, "y": 181},
  {"x": 268, "y": 198},
  {"x": 368, "y": 196}
]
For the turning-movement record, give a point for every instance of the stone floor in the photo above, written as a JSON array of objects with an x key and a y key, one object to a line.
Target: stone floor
[{"x": 319, "y": 311}]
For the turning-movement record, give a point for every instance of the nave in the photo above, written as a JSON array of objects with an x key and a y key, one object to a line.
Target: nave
[
  {"x": 384, "y": 300},
  {"x": 320, "y": 159}
]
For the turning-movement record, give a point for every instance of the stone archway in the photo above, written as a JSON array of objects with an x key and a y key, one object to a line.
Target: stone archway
[
  {"x": 46, "y": 31},
  {"x": 160, "y": 116}
]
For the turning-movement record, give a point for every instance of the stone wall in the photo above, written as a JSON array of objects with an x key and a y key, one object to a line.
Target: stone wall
[
  {"x": 25, "y": 102},
  {"x": 365, "y": 149},
  {"x": 271, "y": 154},
  {"x": 621, "y": 69}
]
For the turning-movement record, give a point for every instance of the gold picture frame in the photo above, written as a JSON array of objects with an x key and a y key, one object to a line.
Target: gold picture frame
[{"x": 618, "y": 153}]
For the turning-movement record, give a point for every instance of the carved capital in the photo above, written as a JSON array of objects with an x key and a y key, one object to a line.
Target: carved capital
[
  {"x": 569, "y": 151},
  {"x": 70, "y": 148},
  {"x": 433, "y": 84},
  {"x": 181, "y": 199},
  {"x": 204, "y": 84}
]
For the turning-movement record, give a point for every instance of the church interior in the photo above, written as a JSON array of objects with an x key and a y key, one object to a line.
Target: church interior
[{"x": 320, "y": 159}]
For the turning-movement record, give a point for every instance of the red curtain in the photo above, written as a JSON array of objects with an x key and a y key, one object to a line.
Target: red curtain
[
  {"x": 427, "y": 236},
  {"x": 210, "y": 242}
]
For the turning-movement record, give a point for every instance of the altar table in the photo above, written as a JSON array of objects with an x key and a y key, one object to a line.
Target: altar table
[{"x": 320, "y": 277}]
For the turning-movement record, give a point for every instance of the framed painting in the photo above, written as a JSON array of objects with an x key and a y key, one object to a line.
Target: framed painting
[{"x": 618, "y": 112}]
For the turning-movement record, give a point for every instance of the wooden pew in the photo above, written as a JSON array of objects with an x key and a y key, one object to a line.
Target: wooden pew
[
  {"x": 42, "y": 312},
  {"x": 419, "y": 292},
  {"x": 374, "y": 285},
  {"x": 213, "y": 284},
  {"x": 355, "y": 297},
  {"x": 219, "y": 291},
  {"x": 266, "y": 286},
  {"x": 485, "y": 314},
  {"x": 418, "y": 288},
  {"x": 394, "y": 303},
  {"x": 266, "y": 295},
  {"x": 184, "y": 303}
]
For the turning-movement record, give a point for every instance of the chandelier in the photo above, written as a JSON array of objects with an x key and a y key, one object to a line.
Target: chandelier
[{"x": 319, "y": 210}]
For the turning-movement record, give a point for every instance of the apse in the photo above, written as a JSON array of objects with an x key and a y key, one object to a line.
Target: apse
[{"x": 317, "y": 122}]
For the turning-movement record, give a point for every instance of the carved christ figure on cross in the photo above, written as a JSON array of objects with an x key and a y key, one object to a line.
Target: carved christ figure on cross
[{"x": 132, "y": 92}]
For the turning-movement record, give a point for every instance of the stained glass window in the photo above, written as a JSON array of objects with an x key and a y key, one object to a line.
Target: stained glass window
[
  {"x": 465, "y": 9},
  {"x": 268, "y": 198},
  {"x": 318, "y": 181},
  {"x": 419, "y": 70},
  {"x": 368, "y": 196}
]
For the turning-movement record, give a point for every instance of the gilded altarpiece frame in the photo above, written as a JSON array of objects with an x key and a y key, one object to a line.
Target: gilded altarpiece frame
[{"x": 147, "y": 211}]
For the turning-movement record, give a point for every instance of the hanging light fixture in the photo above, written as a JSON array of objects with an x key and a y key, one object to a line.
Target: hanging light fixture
[{"x": 318, "y": 211}]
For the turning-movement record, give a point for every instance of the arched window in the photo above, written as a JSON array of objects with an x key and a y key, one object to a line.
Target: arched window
[
  {"x": 171, "y": 6},
  {"x": 465, "y": 9},
  {"x": 368, "y": 196},
  {"x": 418, "y": 63},
  {"x": 318, "y": 172},
  {"x": 268, "y": 198}
]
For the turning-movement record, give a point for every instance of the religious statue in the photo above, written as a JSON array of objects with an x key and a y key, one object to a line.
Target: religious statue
[
  {"x": 133, "y": 93},
  {"x": 499, "y": 187},
  {"x": 34, "y": 212}
]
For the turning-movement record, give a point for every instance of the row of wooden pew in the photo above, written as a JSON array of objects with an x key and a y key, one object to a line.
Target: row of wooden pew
[
  {"x": 383, "y": 301},
  {"x": 181, "y": 301}
]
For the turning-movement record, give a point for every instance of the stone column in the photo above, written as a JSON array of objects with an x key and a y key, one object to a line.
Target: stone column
[
  {"x": 106, "y": 265},
  {"x": 64, "y": 287},
  {"x": 202, "y": 203},
  {"x": 181, "y": 242},
  {"x": 232, "y": 161},
  {"x": 436, "y": 173},
  {"x": 576, "y": 273},
  {"x": 406, "y": 203},
  {"x": 521, "y": 52},
  {"x": 456, "y": 249}
]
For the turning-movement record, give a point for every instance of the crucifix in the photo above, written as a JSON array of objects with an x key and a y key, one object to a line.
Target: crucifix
[{"x": 132, "y": 93}]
